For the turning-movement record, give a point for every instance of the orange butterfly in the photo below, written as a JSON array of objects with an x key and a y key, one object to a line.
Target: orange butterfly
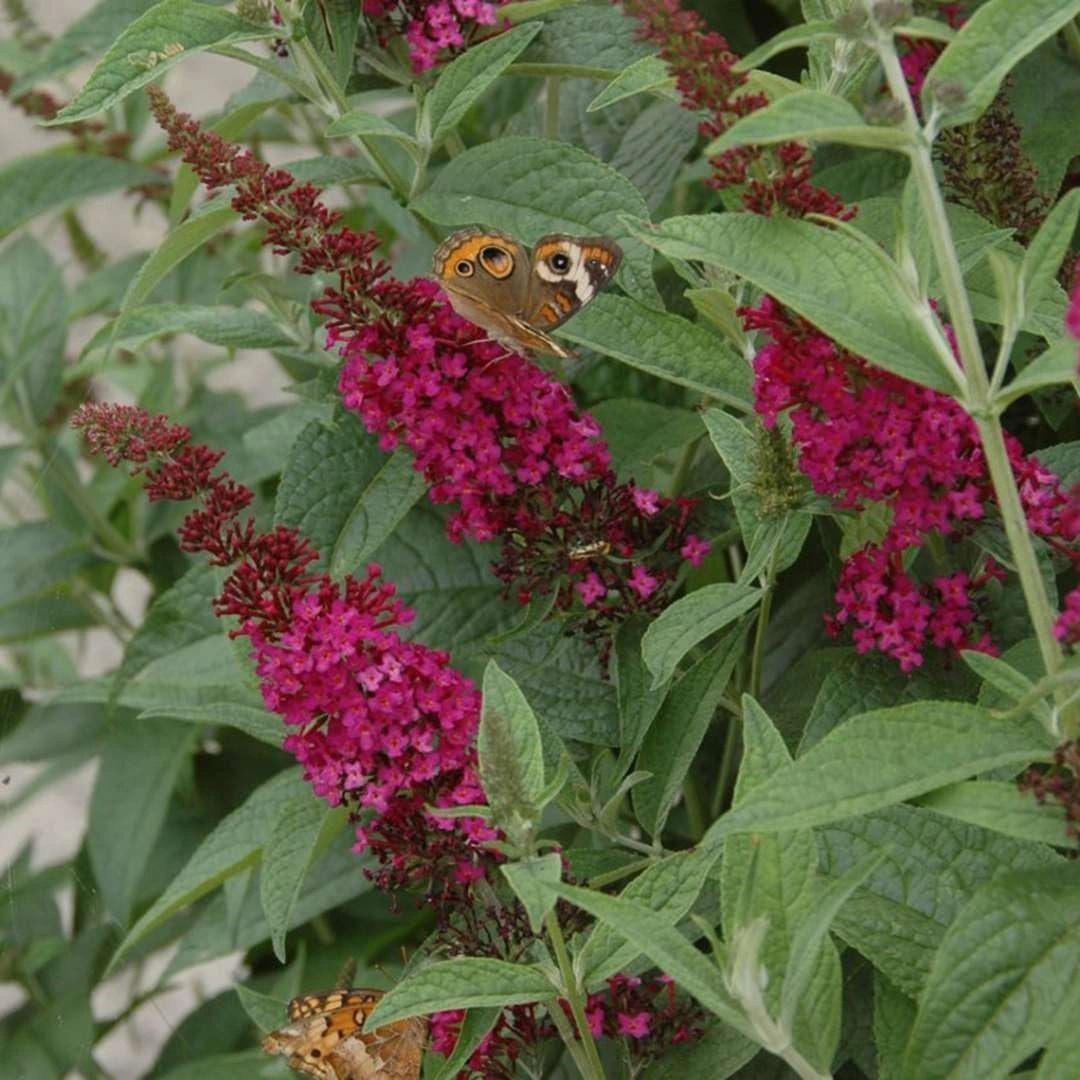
[{"x": 325, "y": 1038}]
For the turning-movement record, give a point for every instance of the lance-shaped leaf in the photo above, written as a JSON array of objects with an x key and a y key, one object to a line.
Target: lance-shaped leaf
[
  {"x": 525, "y": 878},
  {"x": 999, "y": 980},
  {"x": 511, "y": 755},
  {"x": 811, "y": 116},
  {"x": 463, "y": 81},
  {"x": 156, "y": 41},
  {"x": 884, "y": 757},
  {"x": 467, "y": 982},
  {"x": 969, "y": 73},
  {"x": 826, "y": 275}
]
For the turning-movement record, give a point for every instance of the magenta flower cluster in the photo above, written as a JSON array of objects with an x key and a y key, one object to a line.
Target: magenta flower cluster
[
  {"x": 866, "y": 436},
  {"x": 382, "y": 725},
  {"x": 480, "y": 422},
  {"x": 647, "y": 1013},
  {"x": 432, "y": 30},
  {"x": 373, "y": 716}
]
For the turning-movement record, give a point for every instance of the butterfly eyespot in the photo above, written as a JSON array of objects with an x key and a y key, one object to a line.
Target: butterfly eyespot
[
  {"x": 497, "y": 261},
  {"x": 560, "y": 263},
  {"x": 464, "y": 268}
]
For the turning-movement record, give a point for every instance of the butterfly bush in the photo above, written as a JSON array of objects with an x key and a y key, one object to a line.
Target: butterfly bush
[
  {"x": 433, "y": 31},
  {"x": 490, "y": 432},
  {"x": 381, "y": 725},
  {"x": 864, "y": 436}
]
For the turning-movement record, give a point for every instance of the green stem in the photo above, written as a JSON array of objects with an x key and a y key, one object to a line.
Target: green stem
[
  {"x": 593, "y": 1069},
  {"x": 552, "y": 86},
  {"x": 978, "y": 402},
  {"x": 682, "y": 470},
  {"x": 727, "y": 767},
  {"x": 695, "y": 808},
  {"x": 566, "y": 1033}
]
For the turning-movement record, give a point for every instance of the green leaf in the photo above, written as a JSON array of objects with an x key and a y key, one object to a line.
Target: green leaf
[
  {"x": 998, "y": 35},
  {"x": 794, "y": 37},
  {"x": 529, "y": 187},
  {"x": 338, "y": 49},
  {"x": 598, "y": 41},
  {"x": 468, "y": 982},
  {"x": 156, "y": 41},
  {"x": 1057, "y": 365},
  {"x": 234, "y": 845},
  {"x": 511, "y": 758},
  {"x": 32, "y": 185},
  {"x": 914, "y": 749},
  {"x": 808, "y": 116},
  {"x": 363, "y": 124},
  {"x": 241, "y": 1065},
  {"x": 335, "y": 880},
  {"x": 894, "y": 1013},
  {"x": 653, "y": 148},
  {"x": 524, "y": 877},
  {"x": 775, "y": 877},
  {"x": 995, "y": 992},
  {"x": 668, "y": 888},
  {"x": 638, "y": 702},
  {"x": 81, "y": 40},
  {"x": 1014, "y": 684},
  {"x": 38, "y": 558},
  {"x": 288, "y": 853},
  {"x": 182, "y": 615},
  {"x": 650, "y": 73},
  {"x": 665, "y": 947},
  {"x": 253, "y": 719},
  {"x": 1062, "y": 1052},
  {"x": 665, "y": 345},
  {"x": 265, "y": 1011},
  {"x": 465, "y": 80},
  {"x": 812, "y": 934},
  {"x": 141, "y": 762},
  {"x": 675, "y": 735},
  {"x": 33, "y": 327},
  {"x": 231, "y": 327},
  {"x": 1047, "y": 249},
  {"x": 899, "y": 916},
  {"x": 1000, "y": 806},
  {"x": 178, "y": 244},
  {"x": 690, "y": 620},
  {"x": 344, "y": 493},
  {"x": 825, "y": 275},
  {"x": 475, "y": 1026}
]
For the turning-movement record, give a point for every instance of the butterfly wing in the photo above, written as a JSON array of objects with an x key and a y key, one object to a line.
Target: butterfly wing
[
  {"x": 485, "y": 274},
  {"x": 567, "y": 272},
  {"x": 325, "y": 1039}
]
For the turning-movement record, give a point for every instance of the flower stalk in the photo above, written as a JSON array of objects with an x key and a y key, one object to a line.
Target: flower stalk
[
  {"x": 583, "y": 1048},
  {"x": 977, "y": 398}
]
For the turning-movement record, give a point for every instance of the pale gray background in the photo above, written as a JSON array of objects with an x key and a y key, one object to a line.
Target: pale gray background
[{"x": 56, "y": 819}]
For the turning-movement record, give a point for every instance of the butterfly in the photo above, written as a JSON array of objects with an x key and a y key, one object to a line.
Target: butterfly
[
  {"x": 325, "y": 1038},
  {"x": 519, "y": 296}
]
